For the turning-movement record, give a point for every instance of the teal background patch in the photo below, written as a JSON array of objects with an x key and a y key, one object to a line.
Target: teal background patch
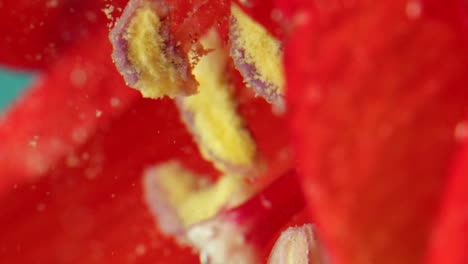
[{"x": 12, "y": 84}]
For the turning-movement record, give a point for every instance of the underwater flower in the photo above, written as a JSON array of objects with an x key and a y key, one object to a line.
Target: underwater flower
[{"x": 359, "y": 105}]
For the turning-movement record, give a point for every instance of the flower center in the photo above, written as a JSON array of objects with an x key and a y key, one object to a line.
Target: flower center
[{"x": 223, "y": 220}]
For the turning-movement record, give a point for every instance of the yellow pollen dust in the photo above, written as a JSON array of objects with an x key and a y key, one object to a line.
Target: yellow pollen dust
[
  {"x": 218, "y": 129},
  {"x": 260, "y": 49},
  {"x": 157, "y": 73},
  {"x": 194, "y": 198}
]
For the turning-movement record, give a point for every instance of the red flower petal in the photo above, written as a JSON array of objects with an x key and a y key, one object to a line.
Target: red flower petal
[
  {"x": 375, "y": 90},
  {"x": 90, "y": 209},
  {"x": 450, "y": 239},
  {"x": 35, "y": 33},
  {"x": 82, "y": 92},
  {"x": 193, "y": 18}
]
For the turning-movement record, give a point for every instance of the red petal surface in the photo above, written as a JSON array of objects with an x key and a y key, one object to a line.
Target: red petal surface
[
  {"x": 36, "y": 32},
  {"x": 450, "y": 239},
  {"x": 193, "y": 18},
  {"x": 375, "y": 90},
  {"x": 91, "y": 210},
  {"x": 64, "y": 108}
]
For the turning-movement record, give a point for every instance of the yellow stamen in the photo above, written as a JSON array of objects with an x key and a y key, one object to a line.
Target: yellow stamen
[
  {"x": 157, "y": 72},
  {"x": 260, "y": 49}
]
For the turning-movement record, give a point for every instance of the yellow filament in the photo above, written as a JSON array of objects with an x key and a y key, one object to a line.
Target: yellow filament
[{"x": 220, "y": 132}]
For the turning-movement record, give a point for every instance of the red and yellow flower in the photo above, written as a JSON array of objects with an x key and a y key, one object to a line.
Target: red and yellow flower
[{"x": 367, "y": 103}]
